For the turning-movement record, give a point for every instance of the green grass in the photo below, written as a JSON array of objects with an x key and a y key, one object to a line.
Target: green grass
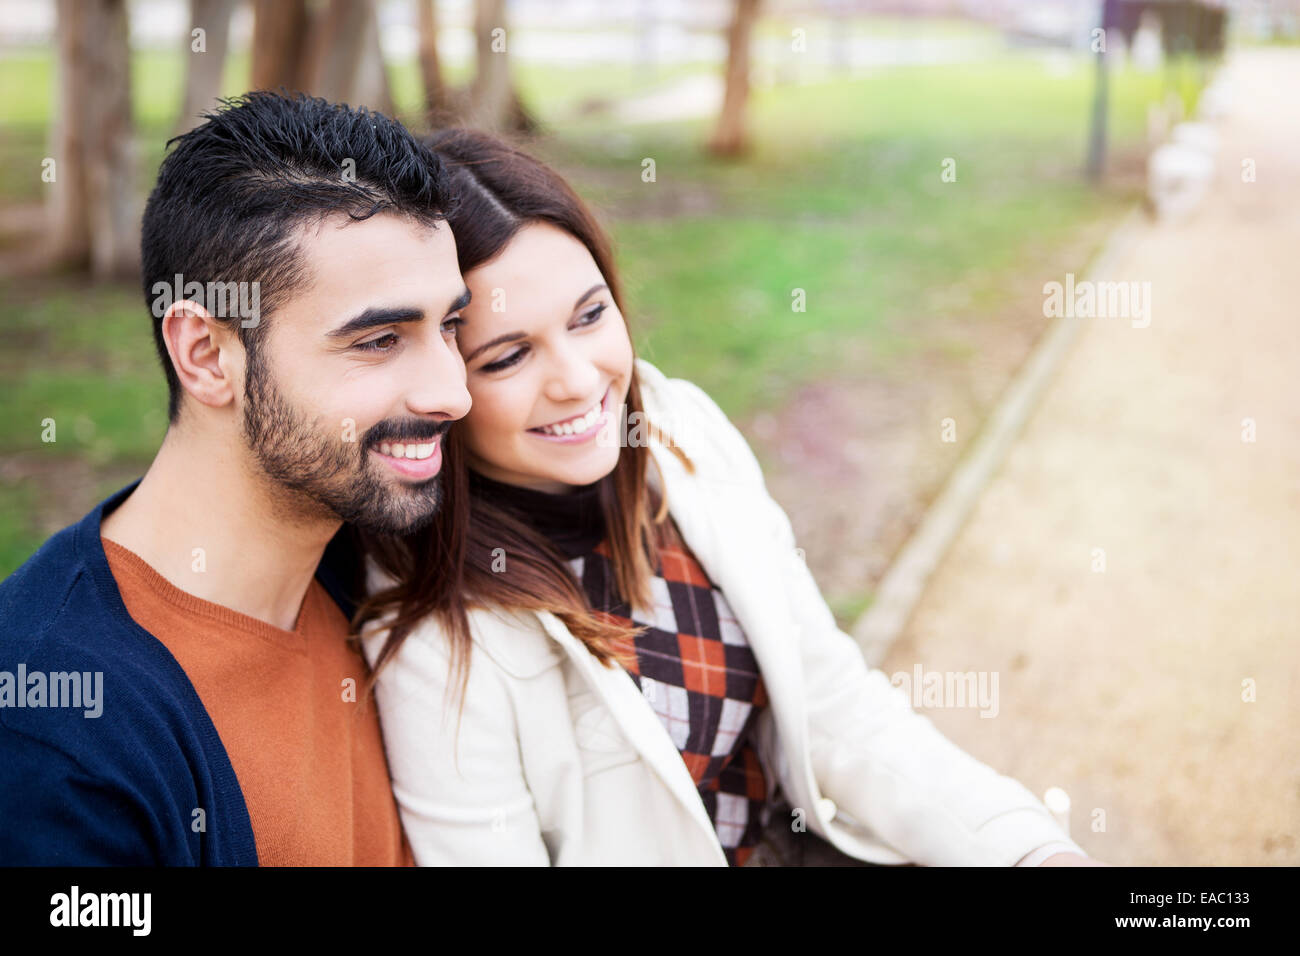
[
  {"x": 841, "y": 197},
  {"x": 84, "y": 358},
  {"x": 77, "y": 367},
  {"x": 19, "y": 536}
]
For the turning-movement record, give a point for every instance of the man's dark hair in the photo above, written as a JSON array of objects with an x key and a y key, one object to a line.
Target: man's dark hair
[{"x": 231, "y": 195}]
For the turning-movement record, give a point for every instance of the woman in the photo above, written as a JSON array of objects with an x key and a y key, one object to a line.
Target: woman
[{"x": 643, "y": 669}]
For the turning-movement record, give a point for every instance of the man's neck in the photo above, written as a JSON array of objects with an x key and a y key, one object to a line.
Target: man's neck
[{"x": 205, "y": 521}]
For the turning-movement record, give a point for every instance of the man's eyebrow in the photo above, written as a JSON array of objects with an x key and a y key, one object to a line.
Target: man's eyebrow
[
  {"x": 588, "y": 294},
  {"x": 460, "y": 303},
  {"x": 371, "y": 318}
]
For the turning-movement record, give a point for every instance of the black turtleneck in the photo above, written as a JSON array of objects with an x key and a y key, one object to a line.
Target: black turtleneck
[{"x": 570, "y": 520}]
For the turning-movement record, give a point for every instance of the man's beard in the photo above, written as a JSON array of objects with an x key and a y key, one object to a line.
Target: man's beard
[{"x": 333, "y": 474}]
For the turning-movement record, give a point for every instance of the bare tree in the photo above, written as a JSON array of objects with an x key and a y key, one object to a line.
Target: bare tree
[
  {"x": 490, "y": 91},
  {"x": 494, "y": 102},
  {"x": 435, "y": 88},
  {"x": 92, "y": 208},
  {"x": 279, "y": 27},
  {"x": 730, "y": 136},
  {"x": 370, "y": 86},
  {"x": 206, "y": 58},
  {"x": 344, "y": 61},
  {"x": 331, "y": 51}
]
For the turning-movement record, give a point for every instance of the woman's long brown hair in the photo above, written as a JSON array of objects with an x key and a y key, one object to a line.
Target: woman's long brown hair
[{"x": 455, "y": 565}]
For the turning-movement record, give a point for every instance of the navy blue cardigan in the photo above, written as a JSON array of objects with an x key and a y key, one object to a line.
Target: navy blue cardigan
[{"x": 126, "y": 787}]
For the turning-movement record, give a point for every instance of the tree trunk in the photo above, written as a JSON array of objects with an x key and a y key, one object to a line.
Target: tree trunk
[
  {"x": 491, "y": 93},
  {"x": 730, "y": 136},
  {"x": 334, "y": 48},
  {"x": 520, "y": 119},
  {"x": 279, "y": 27},
  {"x": 435, "y": 89},
  {"x": 343, "y": 60},
  {"x": 370, "y": 86},
  {"x": 94, "y": 217},
  {"x": 203, "y": 78}
]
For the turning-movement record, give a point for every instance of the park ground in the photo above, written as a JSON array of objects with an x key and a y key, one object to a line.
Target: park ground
[{"x": 1130, "y": 573}]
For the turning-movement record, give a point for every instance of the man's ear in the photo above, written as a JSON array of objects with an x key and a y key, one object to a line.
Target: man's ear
[{"x": 201, "y": 349}]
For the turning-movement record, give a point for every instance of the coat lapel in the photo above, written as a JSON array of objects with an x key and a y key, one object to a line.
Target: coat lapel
[
  {"x": 638, "y": 721},
  {"x": 712, "y": 520}
]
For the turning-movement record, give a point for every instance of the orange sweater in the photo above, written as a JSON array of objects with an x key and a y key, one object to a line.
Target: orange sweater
[{"x": 308, "y": 754}]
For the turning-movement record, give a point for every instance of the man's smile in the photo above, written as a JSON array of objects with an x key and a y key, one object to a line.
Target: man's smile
[{"x": 419, "y": 460}]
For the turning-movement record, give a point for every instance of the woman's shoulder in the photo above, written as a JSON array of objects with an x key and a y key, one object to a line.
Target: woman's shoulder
[
  {"x": 688, "y": 416},
  {"x": 664, "y": 395}
]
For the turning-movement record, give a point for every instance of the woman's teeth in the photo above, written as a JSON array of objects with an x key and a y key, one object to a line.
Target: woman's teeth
[
  {"x": 574, "y": 426},
  {"x": 415, "y": 451}
]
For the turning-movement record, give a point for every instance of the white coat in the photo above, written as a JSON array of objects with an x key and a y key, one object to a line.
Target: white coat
[{"x": 563, "y": 761}]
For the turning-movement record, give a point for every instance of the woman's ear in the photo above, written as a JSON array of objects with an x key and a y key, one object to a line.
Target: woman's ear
[{"x": 201, "y": 348}]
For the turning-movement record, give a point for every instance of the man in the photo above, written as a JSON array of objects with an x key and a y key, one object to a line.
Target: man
[{"x": 180, "y": 688}]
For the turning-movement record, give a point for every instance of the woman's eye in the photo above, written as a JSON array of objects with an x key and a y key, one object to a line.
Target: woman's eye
[
  {"x": 384, "y": 343},
  {"x": 590, "y": 316},
  {"x": 452, "y": 324},
  {"x": 504, "y": 363}
]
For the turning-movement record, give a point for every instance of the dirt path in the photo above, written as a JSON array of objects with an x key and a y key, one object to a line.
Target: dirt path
[{"x": 1125, "y": 685}]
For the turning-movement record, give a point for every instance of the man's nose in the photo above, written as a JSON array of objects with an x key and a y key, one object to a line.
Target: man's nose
[{"x": 437, "y": 383}]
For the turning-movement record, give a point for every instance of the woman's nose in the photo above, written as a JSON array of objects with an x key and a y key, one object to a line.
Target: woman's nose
[{"x": 573, "y": 377}]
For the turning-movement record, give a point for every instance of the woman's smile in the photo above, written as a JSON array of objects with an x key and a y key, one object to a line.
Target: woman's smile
[{"x": 580, "y": 428}]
